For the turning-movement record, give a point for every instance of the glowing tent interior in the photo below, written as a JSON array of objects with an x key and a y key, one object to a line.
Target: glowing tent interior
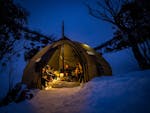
[{"x": 61, "y": 53}]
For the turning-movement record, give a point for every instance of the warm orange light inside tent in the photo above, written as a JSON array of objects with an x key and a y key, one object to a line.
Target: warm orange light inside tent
[
  {"x": 61, "y": 75},
  {"x": 49, "y": 87}
]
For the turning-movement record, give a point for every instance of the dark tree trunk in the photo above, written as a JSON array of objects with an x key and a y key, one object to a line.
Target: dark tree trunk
[
  {"x": 138, "y": 56},
  {"x": 142, "y": 61}
]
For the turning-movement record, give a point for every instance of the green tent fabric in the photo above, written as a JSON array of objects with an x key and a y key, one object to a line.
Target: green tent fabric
[{"x": 60, "y": 53}]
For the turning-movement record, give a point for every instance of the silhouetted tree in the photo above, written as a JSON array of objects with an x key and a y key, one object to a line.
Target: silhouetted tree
[
  {"x": 13, "y": 31},
  {"x": 131, "y": 19},
  {"x": 11, "y": 17}
]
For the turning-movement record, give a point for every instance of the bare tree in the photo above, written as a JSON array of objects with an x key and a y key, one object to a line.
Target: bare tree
[
  {"x": 14, "y": 30},
  {"x": 131, "y": 19}
]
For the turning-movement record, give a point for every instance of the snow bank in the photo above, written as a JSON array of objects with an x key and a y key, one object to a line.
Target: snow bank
[
  {"x": 128, "y": 93},
  {"x": 122, "y": 61},
  {"x": 118, "y": 94},
  {"x": 13, "y": 72}
]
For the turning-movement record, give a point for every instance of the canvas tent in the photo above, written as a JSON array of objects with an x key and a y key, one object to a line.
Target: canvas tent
[{"x": 61, "y": 52}]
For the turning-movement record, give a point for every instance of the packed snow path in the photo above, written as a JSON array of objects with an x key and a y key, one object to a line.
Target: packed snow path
[
  {"x": 60, "y": 100},
  {"x": 128, "y": 93}
]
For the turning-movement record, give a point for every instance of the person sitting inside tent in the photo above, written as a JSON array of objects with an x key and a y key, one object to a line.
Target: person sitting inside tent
[
  {"x": 67, "y": 72},
  {"x": 79, "y": 72},
  {"x": 50, "y": 73},
  {"x": 44, "y": 78}
]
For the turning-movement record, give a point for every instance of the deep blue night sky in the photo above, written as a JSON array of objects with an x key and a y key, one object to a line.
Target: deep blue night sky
[{"x": 47, "y": 16}]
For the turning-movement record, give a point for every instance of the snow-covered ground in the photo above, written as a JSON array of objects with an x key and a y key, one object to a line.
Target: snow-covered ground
[
  {"x": 122, "y": 61},
  {"x": 13, "y": 73},
  {"x": 127, "y": 91}
]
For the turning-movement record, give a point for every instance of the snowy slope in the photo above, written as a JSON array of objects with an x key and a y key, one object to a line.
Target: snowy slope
[
  {"x": 128, "y": 93},
  {"x": 14, "y": 71},
  {"x": 122, "y": 61}
]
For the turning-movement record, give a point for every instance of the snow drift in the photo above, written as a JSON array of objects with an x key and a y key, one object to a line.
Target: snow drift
[
  {"x": 122, "y": 61},
  {"x": 128, "y": 93}
]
